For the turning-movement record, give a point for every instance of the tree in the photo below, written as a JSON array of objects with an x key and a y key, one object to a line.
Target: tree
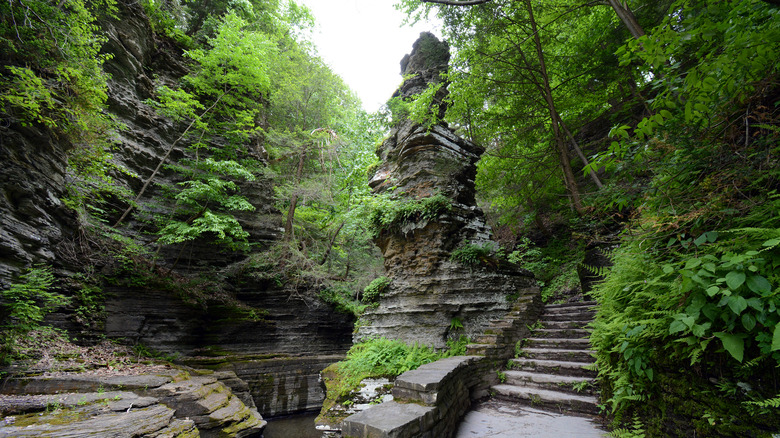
[
  {"x": 619, "y": 6},
  {"x": 221, "y": 99}
]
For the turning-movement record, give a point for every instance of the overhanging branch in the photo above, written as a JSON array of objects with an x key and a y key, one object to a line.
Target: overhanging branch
[{"x": 458, "y": 3}]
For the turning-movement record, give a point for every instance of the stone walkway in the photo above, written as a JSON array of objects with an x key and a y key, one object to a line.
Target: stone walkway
[{"x": 503, "y": 419}]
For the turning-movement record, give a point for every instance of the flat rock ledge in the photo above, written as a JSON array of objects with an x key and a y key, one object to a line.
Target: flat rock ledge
[
  {"x": 427, "y": 402},
  {"x": 169, "y": 403}
]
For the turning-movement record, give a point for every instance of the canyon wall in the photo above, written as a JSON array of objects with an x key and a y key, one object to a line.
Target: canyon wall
[{"x": 279, "y": 355}]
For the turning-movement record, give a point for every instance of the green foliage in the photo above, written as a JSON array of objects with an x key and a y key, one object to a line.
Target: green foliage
[
  {"x": 457, "y": 347},
  {"x": 730, "y": 296},
  {"x": 343, "y": 300},
  {"x": 636, "y": 430},
  {"x": 142, "y": 350},
  {"x": 692, "y": 308},
  {"x": 456, "y": 324},
  {"x": 475, "y": 254},
  {"x": 422, "y": 108},
  {"x": 220, "y": 98},
  {"x": 167, "y": 18},
  {"x": 383, "y": 357},
  {"x": 53, "y": 77},
  {"x": 28, "y": 302},
  {"x": 373, "y": 292},
  {"x": 90, "y": 299},
  {"x": 53, "y": 57},
  {"x": 390, "y": 215}
]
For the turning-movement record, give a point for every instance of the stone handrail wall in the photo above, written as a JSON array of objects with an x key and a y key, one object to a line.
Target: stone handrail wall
[{"x": 428, "y": 402}]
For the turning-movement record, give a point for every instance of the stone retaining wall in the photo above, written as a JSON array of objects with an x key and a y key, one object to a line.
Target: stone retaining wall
[{"x": 428, "y": 402}]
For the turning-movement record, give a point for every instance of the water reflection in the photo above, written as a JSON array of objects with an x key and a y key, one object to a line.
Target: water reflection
[{"x": 294, "y": 426}]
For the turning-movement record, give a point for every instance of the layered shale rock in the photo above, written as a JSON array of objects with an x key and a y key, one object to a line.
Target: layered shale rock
[
  {"x": 432, "y": 298},
  {"x": 160, "y": 403},
  {"x": 278, "y": 359}
]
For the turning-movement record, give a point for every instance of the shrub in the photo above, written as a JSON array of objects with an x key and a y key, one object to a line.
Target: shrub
[
  {"x": 28, "y": 302},
  {"x": 474, "y": 254},
  {"x": 373, "y": 292},
  {"x": 391, "y": 215}
]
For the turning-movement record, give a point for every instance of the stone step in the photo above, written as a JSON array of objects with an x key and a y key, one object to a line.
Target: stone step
[
  {"x": 569, "y": 343},
  {"x": 561, "y": 333},
  {"x": 558, "y": 367},
  {"x": 577, "y": 305},
  {"x": 572, "y": 384},
  {"x": 560, "y": 354},
  {"x": 574, "y": 316},
  {"x": 487, "y": 338},
  {"x": 566, "y": 324},
  {"x": 554, "y": 400}
]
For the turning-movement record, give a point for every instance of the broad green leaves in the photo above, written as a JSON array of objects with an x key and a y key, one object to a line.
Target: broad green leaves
[{"x": 734, "y": 344}]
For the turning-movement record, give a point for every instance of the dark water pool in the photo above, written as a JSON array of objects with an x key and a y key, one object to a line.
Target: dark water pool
[{"x": 294, "y": 426}]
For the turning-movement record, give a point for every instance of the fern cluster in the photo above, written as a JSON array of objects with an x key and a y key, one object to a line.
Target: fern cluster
[{"x": 390, "y": 215}]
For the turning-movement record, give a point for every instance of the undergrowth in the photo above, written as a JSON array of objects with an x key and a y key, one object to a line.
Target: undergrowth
[{"x": 380, "y": 357}]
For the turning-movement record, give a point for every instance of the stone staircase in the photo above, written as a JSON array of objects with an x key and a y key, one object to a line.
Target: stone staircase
[{"x": 555, "y": 371}]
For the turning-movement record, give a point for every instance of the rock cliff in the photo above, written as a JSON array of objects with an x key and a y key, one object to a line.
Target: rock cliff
[
  {"x": 432, "y": 298},
  {"x": 279, "y": 356}
]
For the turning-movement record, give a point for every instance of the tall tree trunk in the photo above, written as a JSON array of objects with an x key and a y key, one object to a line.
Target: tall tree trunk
[
  {"x": 560, "y": 143},
  {"x": 288, "y": 226},
  {"x": 584, "y": 159},
  {"x": 627, "y": 17},
  {"x": 330, "y": 246}
]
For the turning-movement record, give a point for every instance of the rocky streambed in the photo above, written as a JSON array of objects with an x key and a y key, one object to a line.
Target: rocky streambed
[{"x": 153, "y": 401}]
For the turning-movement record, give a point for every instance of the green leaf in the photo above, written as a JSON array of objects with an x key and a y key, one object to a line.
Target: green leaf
[
  {"x": 748, "y": 321},
  {"x": 737, "y": 304},
  {"x": 772, "y": 242},
  {"x": 776, "y": 338},
  {"x": 734, "y": 279},
  {"x": 677, "y": 326},
  {"x": 712, "y": 290},
  {"x": 759, "y": 285},
  {"x": 699, "y": 330},
  {"x": 734, "y": 344},
  {"x": 692, "y": 263}
]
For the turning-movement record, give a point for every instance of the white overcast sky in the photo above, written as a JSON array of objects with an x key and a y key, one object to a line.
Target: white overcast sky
[{"x": 363, "y": 41}]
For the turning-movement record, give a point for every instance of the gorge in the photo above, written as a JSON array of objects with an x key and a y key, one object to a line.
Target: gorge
[{"x": 201, "y": 229}]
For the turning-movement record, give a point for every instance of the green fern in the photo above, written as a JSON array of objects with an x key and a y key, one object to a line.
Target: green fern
[
  {"x": 768, "y": 403},
  {"x": 635, "y": 430}
]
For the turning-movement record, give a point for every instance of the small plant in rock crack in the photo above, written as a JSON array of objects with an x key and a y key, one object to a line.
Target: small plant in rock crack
[
  {"x": 501, "y": 376},
  {"x": 581, "y": 386},
  {"x": 535, "y": 326}
]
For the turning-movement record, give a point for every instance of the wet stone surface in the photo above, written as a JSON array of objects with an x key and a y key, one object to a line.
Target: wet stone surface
[{"x": 500, "y": 419}]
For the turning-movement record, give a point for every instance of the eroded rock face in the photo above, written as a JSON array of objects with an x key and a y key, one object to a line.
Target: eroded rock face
[
  {"x": 431, "y": 296},
  {"x": 161, "y": 403},
  {"x": 278, "y": 358}
]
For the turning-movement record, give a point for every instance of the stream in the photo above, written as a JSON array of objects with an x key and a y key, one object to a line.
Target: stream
[{"x": 298, "y": 426}]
